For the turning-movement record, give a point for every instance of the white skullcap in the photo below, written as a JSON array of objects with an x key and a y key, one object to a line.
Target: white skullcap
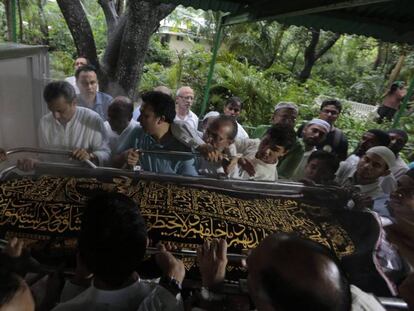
[
  {"x": 211, "y": 114},
  {"x": 320, "y": 122},
  {"x": 385, "y": 153},
  {"x": 286, "y": 105}
]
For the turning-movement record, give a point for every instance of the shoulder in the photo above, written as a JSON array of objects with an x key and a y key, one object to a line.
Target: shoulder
[
  {"x": 104, "y": 97},
  {"x": 46, "y": 118},
  {"x": 193, "y": 115},
  {"x": 89, "y": 117}
]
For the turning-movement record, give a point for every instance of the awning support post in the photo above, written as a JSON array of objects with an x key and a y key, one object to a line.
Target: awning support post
[{"x": 217, "y": 41}]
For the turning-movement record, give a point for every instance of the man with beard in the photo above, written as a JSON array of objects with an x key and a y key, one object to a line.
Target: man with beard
[
  {"x": 314, "y": 133},
  {"x": 364, "y": 179}
]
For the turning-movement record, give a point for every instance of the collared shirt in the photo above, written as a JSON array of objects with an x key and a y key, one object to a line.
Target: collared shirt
[
  {"x": 191, "y": 119},
  {"x": 241, "y": 133},
  {"x": 100, "y": 105},
  {"x": 116, "y": 140},
  {"x": 85, "y": 130},
  {"x": 143, "y": 295},
  {"x": 161, "y": 163}
]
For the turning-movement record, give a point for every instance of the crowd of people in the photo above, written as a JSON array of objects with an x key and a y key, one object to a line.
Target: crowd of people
[{"x": 164, "y": 136}]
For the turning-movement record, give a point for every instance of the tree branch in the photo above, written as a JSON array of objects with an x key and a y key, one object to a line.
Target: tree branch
[
  {"x": 331, "y": 41},
  {"x": 111, "y": 15},
  {"x": 80, "y": 29}
]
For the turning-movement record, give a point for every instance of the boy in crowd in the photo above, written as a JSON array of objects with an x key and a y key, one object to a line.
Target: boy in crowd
[
  {"x": 233, "y": 108},
  {"x": 257, "y": 159},
  {"x": 321, "y": 168}
]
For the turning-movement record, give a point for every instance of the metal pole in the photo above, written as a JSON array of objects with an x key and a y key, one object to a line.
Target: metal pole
[
  {"x": 217, "y": 41},
  {"x": 404, "y": 105},
  {"x": 14, "y": 20}
]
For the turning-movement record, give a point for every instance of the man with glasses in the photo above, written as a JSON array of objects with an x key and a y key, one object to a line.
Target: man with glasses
[
  {"x": 336, "y": 141},
  {"x": 183, "y": 102}
]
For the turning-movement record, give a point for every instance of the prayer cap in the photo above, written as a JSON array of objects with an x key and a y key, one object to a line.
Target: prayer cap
[
  {"x": 385, "y": 153},
  {"x": 286, "y": 105},
  {"x": 320, "y": 122}
]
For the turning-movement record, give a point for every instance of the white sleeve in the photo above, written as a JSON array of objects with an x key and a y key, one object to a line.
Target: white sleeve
[
  {"x": 100, "y": 147},
  {"x": 247, "y": 147},
  {"x": 160, "y": 299}
]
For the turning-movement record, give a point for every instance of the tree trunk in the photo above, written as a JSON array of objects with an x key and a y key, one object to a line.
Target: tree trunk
[
  {"x": 111, "y": 15},
  {"x": 120, "y": 7},
  {"x": 380, "y": 55},
  {"x": 43, "y": 22},
  {"x": 142, "y": 21},
  {"x": 397, "y": 69},
  {"x": 276, "y": 45},
  {"x": 311, "y": 55},
  {"x": 9, "y": 19},
  {"x": 80, "y": 29},
  {"x": 19, "y": 10}
]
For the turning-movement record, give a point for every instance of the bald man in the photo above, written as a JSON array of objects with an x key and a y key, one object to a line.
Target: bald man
[
  {"x": 286, "y": 273},
  {"x": 183, "y": 102}
]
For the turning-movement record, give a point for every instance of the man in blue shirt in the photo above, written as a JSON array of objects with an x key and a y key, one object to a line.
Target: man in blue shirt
[
  {"x": 89, "y": 96},
  {"x": 157, "y": 115}
]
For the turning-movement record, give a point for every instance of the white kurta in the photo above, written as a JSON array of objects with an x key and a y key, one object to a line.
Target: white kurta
[
  {"x": 72, "y": 81},
  {"x": 241, "y": 133},
  {"x": 116, "y": 140},
  {"x": 85, "y": 130}
]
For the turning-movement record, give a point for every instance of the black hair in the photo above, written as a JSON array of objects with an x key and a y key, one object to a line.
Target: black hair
[
  {"x": 332, "y": 102},
  {"x": 162, "y": 104},
  {"x": 85, "y": 68},
  {"x": 235, "y": 100},
  {"x": 402, "y": 133},
  {"x": 396, "y": 85},
  {"x": 113, "y": 237},
  {"x": 56, "y": 89},
  {"x": 10, "y": 284},
  {"x": 223, "y": 119},
  {"x": 122, "y": 106},
  {"x": 382, "y": 137},
  {"x": 331, "y": 160},
  {"x": 286, "y": 294},
  {"x": 282, "y": 135}
]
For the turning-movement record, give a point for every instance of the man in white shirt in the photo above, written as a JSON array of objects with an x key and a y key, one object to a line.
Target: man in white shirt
[
  {"x": 233, "y": 108},
  {"x": 68, "y": 127},
  {"x": 112, "y": 242},
  {"x": 120, "y": 124},
  {"x": 183, "y": 102},
  {"x": 79, "y": 62},
  {"x": 257, "y": 159}
]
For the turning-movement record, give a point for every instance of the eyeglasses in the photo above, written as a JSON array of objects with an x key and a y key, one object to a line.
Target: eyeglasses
[{"x": 186, "y": 97}]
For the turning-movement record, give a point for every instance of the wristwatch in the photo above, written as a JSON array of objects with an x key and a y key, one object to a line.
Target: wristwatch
[{"x": 171, "y": 284}]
